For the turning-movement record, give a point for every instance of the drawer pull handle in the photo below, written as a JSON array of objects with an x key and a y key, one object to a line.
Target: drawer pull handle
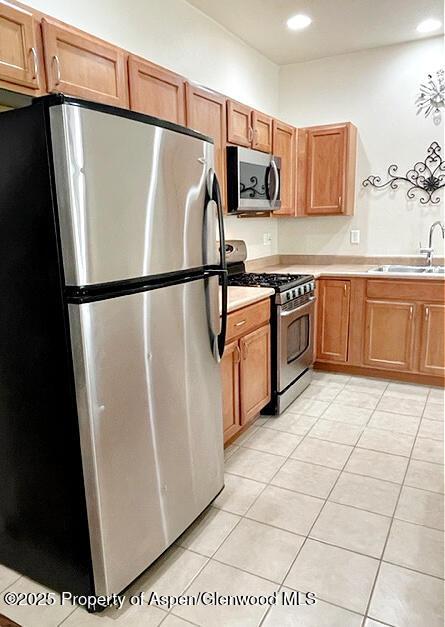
[
  {"x": 237, "y": 355},
  {"x": 35, "y": 62},
  {"x": 427, "y": 313},
  {"x": 250, "y": 134},
  {"x": 411, "y": 312},
  {"x": 57, "y": 64},
  {"x": 245, "y": 351},
  {"x": 240, "y": 323},
  {"x": 339, "y": 201},
  {"x": 344, "y": 289}
]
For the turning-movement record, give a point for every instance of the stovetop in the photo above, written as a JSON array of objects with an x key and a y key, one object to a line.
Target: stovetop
[{"x": 279, "y": 282}]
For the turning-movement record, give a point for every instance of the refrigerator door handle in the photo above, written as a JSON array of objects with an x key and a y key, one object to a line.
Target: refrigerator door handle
[{"x": 216, "y": 197}]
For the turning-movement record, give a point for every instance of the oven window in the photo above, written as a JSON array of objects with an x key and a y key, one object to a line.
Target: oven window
[
  {"x": 298, "y": 334},
  {"x": 254, "y": 181}
]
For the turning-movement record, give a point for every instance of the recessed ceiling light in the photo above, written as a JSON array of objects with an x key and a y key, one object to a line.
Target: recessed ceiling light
[
  {"x": 427, "y": 26},
  {"x": 297, "y": 22}
]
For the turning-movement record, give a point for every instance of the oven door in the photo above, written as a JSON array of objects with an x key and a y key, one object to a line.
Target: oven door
[
  {"x": 254, "y": 180},
  {"x": 295, "y": 342}
]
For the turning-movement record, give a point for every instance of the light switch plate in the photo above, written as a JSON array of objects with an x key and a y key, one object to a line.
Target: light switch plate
[
  {"x": 267, "y": 238},
  {"x": 355, "y": 236}
]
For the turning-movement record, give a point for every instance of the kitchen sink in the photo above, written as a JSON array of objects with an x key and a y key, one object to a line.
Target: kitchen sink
[{"x": 410, "y": 269}]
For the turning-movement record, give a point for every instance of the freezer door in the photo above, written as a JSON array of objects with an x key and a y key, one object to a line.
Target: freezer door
[
  {"x": 131, "y": 197},
  {"x": 149, "y": 405}
]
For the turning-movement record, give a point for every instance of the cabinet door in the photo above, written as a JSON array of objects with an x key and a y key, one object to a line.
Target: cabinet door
[
  {"x": 388, "y": 336},
  {"x": 333, "y": 305},
  {"x": 156, "y": 91},
  {"x": 230, "y": 390},
  {"x": 262, "y": 132},
  {"x": 432, "y": 358},
  {"x": 81, "y": 65},
  {"x": 284, "y": 147},
  {"x": 206, "y": 113},
  {"x": 255, "y": 372},
  {"x": 239, "y": 125},
  {"x": 20, "y": 55},
  {"x": 326, "y": 168}
]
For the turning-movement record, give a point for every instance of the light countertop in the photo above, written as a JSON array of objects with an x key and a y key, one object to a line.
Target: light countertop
[
  {"x": 238, "y": 297},
  {"x": 361, "y": 270}
]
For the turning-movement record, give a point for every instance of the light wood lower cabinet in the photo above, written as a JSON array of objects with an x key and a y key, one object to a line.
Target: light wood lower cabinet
[
  {"x": 383, "y": 325},
  {"x": 432, "y": 342},
  {"x": 79, "y": 64},
  {"x": 255, "y": 372},
  {"x": 333, "y": 307},
  {"x": 389, "y": 334},
  {"x": 245, "y": 367}
]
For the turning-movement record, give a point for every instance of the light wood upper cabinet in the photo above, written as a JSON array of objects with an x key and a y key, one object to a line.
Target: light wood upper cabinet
[
  {"x": 239, "y": 124},
  {"x": 156, "y": 91},
  {"x": 230, "y": 389},
  {"x": 262, "y": 132},
  {"x": 206, "y": 113},
  {"x": 388, "y": 336},
  {"x": 284, "y": 147},
  {"x": 333, "y": 313},
  {"x": 329, "y": 183},
  {"x": 21, "y": 62},
  {"x": 432, "y": 341},
  {"x": 255, "y": 372},
  {"x": 80, "y": 65}
]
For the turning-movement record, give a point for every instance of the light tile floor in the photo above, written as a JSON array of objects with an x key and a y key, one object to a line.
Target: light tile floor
[{"x": 342, "y": 495}]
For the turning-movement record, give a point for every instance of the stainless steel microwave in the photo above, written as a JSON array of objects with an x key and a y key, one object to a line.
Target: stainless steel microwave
[{"x": 253, "y": 180}]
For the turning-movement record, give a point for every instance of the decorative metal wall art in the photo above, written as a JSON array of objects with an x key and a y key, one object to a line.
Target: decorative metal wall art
[
  {"x": 253, "y": 191},
  {"x": 426, "y": 177},
  {"x": 431, "y": 98}
]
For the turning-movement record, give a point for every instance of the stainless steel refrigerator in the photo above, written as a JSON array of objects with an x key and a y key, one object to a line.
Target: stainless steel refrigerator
[{"x": 110, "y": 338}]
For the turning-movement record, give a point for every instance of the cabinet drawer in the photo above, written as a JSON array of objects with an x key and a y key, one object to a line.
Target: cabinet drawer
[
  {"x": 245, "y": 320},
  {"x": 415, "y": 290}
]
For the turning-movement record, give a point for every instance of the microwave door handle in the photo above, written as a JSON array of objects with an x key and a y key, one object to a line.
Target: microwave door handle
[{"x": 277, "y": 182}]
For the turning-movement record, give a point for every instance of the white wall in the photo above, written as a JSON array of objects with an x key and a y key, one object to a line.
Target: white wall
[
  {"x": 374, "y": 89},
  {"x": 181, "y": 38}
]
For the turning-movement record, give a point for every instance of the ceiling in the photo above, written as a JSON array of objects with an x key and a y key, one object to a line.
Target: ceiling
[{"x": 338, "y": 26}]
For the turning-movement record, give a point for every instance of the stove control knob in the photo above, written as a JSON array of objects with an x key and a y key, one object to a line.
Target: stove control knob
[
  {"x": 294, "y": 293},
  {"x": 301, "y": 290},
  {"x": 287, "y": 295}
]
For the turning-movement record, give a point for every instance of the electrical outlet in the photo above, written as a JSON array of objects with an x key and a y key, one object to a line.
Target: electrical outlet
[
  {"x": 267, "y": 238},
  {"x": 355, "y": 236}
]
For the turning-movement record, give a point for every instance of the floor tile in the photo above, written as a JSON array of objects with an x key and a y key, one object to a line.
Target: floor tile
[
  {"x": 336, "y": 575},
  {"x": 330, "y": 377},
  {"x": 405, "y": 406},
  {"x": 416, "y": 547},
  {"x": 260, "y": 549},
  {"x": 352, "y": 529},
  {"x": 209, "y": 531},
  {"x": 421, "y": 507},
  {"x": 171, "y": 574},
  {"x": 322, "y": 391},
  {"x": 308, "y": 478},
  {"x": 7, "y": 577},
  {"x": 308, "y": 407},
  {"x": 434, "y": 411},
  {"x": 254, "y": 464},
  {"x": 229, "y": 451},
  {"x": 285, "y": 509},
  {"x": 340, "y": 412},
  {"x": 431, "y": 429},
  {"x": 226, "y": 581},
  {"x": 320, "y": 614},
  {"x": 407, "y": 599},
  {"x": 377, "y": 464},
  {"x": 175, "y": 621},
  {"x": 386, "y": 441},
  {"x": 367, "y": 383},
  {"x": 366, "y": 493},
  {"x": 322, "y": 452},
  {"x": 394, "y": 422},
  {"x": 271, "y": 441},
  {"x": 373, "y": 623},
  {"x": 429, "y": 450},
  {"x": 338, "y": 432},
  {"x": 291, "y": 423},
  {"x": 425, "y": 476},
  {"x": 128, "y": 616},
  {"x": 366, "y": 400},
  {"x": 238, "y": 495},
  {"x": 248, "y": 433},
  {"x": 436, "y": 395},
  {"x": 407, "y": 391},
  {"x": 30, "y": 615}
]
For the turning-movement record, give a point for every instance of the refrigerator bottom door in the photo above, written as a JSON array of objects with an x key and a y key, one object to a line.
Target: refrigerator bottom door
[{"x": 149, "y": 405}]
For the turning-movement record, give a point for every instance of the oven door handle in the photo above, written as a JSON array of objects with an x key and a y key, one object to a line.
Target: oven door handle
[{"x": 298, "y": 310}]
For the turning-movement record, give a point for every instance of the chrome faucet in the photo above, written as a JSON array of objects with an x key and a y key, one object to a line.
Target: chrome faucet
[{"x": 430, "y": 250}]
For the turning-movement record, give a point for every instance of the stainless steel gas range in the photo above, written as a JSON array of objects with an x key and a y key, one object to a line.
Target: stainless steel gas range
[{"x": 292, "y": 323}]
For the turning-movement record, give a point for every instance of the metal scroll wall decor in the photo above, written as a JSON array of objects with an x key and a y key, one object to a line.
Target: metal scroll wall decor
[
  {"x": 425, "y": 177},
  {"x": 253, "y": 191},
  {"x": 431, "y": 97}
]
